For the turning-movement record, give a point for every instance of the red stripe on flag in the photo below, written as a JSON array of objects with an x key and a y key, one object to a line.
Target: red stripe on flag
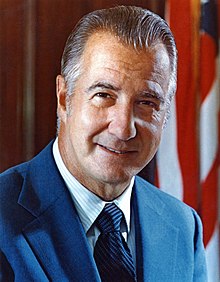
[
  {"x": 208, "y": 65},
  {"x": 210, "y": 202}
]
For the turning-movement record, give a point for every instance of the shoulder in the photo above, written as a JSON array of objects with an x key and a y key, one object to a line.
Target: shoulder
[
  {"x": 150, "y": 191},
  {"x": 26, "y": 174},
  {"x": 172, "y": 210},
  {"x": 16, "y": 175},
  {"x": 12, "y": 178},
  {"x": 18, "y": 190},
  {"x": 11, "y": 183}
]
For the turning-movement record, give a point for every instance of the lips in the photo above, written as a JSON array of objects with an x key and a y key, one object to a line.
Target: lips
[{"x": 121, "y": 152}]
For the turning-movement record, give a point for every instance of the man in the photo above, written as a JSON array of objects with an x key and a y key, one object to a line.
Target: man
[{"x": 118, "y": 79}]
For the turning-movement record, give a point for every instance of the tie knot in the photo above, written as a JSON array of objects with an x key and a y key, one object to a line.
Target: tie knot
[{"x": 109, "y": 219}]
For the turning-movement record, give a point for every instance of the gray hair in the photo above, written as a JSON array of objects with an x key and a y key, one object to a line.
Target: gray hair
[{"x": 134, "y": 26}]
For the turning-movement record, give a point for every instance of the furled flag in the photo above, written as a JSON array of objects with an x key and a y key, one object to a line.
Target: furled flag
[
  {"x": 209, "y": 145},
  {"x": 188, "y": 158}
]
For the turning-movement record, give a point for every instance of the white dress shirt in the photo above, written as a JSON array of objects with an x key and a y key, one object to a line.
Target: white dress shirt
[{"x": 89, "y": 205}]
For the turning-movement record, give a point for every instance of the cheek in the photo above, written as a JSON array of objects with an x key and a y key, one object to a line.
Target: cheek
[
  {"x": 85, "y": 123},
  {"x": 151, "y": 135},
  {"x": 152, "y": 127},
  {"x": 94, "y": 120}
]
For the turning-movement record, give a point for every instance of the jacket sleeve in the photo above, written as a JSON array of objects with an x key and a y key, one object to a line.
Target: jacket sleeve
[{"x": 200, "y": 270}]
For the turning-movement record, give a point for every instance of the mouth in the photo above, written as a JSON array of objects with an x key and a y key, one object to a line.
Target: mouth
[{"x": 118, "y": 152}]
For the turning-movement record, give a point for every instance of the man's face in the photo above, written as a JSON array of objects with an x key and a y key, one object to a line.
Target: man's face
[{"x": 117, "y": 111}]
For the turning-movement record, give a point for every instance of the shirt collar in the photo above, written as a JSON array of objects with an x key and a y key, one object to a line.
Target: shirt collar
[{"x": 89, "y": 205}]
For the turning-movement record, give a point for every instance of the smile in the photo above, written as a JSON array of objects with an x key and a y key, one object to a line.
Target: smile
[{"x": 121, "y": 152}]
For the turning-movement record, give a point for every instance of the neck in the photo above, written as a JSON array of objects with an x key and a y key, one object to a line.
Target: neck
[{"x": 108, "y": 192}]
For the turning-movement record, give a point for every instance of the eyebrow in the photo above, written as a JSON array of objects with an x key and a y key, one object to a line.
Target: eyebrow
[
  {"x": 103, "y": 85},
  {"x": 153, "y": 95}
]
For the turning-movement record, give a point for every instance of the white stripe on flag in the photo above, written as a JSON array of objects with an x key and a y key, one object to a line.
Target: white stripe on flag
[
  {"x": 209, "y": 131},
  {"x": 169, "y": 173},
  {"x": 212, "y": 256}
]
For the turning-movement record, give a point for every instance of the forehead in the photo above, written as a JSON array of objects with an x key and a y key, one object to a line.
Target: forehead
[
  {"x": 105, "y": 52},
  {"x": 104, "y": 41}
]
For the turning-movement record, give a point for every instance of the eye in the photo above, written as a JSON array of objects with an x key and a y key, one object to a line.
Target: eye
[
  {"x": 103, "y": 99},
  {"x": 149, "y": 103},
  {"x": 102, "y": 95}
]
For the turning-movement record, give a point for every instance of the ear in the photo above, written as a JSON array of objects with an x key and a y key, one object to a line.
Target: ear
[{"x": 61, "y": 91}]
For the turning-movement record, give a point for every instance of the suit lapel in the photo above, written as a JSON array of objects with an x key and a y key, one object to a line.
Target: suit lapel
[
  {"x": 55, "y": 235},
  {"x": 156, "y": 239}
]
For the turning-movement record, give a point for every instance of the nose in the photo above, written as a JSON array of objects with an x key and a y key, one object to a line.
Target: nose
[{"x": 122, "y": 122}]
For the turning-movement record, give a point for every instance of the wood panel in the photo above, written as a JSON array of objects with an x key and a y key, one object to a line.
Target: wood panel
[
  {"x": 11, "y": 81},
  {"x": 32, "y": 37}
]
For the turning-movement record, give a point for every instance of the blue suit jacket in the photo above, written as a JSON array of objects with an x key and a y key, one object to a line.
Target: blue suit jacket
[{"x": 42, "y": 238}]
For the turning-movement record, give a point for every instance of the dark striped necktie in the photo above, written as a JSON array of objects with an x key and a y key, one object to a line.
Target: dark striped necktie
[{"x": 111, "y": 253}]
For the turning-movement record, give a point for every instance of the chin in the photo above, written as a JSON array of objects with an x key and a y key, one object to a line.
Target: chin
[{"x": 115, "y": 177}]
